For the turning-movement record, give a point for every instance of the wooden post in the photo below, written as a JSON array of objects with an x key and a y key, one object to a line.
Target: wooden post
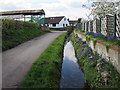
[
  {"x": 24, "y": 18},
  {"x": 31, "y": 18},
  {"x": 44, "y": 20},
  {"x": 115, "y": 24},
  {"x": 100, "y": 24}
]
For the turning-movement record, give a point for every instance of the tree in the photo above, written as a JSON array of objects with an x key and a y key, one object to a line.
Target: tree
[{"x": 101, "y": 8}]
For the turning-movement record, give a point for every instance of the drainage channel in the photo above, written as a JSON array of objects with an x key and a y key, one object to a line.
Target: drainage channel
[{"x": 71, "y": 75}]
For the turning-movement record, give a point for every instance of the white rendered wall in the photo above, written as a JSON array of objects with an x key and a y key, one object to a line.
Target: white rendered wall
[
  {"x": 60, "y": 25},
  {"x": 63, "y": 22}
]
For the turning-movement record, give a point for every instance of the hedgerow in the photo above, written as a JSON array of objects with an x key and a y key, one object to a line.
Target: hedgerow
[{"x": 16, "y": 32}]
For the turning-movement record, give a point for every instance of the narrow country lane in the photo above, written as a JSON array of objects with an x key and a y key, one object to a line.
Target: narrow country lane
[{"x": 17, "y": 61}]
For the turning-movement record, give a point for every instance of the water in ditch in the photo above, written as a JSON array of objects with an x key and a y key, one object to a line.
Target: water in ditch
[{"x": 71, "y": 75}]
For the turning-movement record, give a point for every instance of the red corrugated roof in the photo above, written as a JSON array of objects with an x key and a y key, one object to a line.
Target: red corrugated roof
[{"x": 24, "y": 12}]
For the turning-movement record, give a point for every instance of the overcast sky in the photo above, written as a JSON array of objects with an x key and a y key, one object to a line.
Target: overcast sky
[{"x": 72, "y": 9}]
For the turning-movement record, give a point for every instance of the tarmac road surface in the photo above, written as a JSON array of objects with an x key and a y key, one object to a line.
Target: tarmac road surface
[{"x": 17, "y": 61}]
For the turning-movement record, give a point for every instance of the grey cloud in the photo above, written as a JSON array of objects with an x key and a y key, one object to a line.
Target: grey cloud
[
  {"x": 59, "y": 9},
  {"x": 41, "y": 1},
  {"x": 9, "y": 6},
  {"x": 76, "y": 5}
]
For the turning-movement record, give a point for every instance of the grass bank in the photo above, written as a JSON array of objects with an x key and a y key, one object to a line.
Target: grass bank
[
  {"x": 99, "y": 72},
  {"x": 17, "y": 32},
  {"x": 46, "y": 71}
]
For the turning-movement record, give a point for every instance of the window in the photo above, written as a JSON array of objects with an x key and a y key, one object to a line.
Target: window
[
  {"x": 46, "y": 24},
  {"x": 66, "y": 25},
  {"x": 54, "y": 25},
  {"x": 64, "y": 19},
  {"x": 52, "y": 18},
  {"x": 63, "y": 25}
]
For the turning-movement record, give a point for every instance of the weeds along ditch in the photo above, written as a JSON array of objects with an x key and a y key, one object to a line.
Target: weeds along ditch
[
  {"x": 99, "y": 72},
  {"x": 17, "y": 32},
  {"x": 46, "y": 71}
]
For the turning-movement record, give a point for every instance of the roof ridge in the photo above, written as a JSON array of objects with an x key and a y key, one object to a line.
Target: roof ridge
[
  {"x": 21, "y": 10},
  {"x": 25, "y": 12},
  {"x": 54, "y": 16},
  {"x": 53, "y": 19}
]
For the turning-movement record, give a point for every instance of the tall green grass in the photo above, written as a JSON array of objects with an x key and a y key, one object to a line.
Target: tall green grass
[
  {"x": 17, "y": 32},
  {"x": 46, "y": 71}
]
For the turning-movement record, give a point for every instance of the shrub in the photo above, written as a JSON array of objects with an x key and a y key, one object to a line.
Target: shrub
[{"x": 98, "y": 34}]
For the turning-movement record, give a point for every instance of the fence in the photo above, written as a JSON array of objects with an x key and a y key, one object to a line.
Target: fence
[{"x": 110, "y": 25}]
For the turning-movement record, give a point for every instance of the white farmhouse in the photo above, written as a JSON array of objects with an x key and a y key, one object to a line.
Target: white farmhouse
[{"x": 56, "y": 22}]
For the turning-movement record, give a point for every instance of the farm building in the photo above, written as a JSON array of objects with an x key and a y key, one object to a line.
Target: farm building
[
  {"x": 56, "y": 22},
  {"x": 24, "y": 15}
]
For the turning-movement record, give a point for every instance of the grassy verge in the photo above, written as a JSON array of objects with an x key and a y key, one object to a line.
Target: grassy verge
[
  {"x": 99, "y": 72},
  {"x": 46, "y": 71},
  {"x": 17, "y": 32}
]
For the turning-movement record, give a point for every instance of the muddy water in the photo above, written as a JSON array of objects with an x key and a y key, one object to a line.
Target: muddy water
[{"x": 71, "y": 75}]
